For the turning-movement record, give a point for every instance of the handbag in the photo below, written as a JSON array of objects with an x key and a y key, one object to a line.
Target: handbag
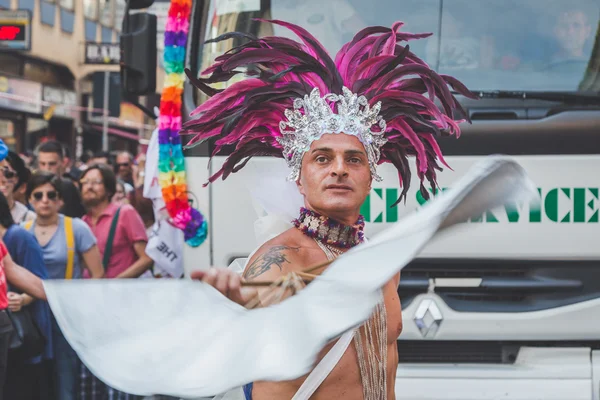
[{"x": 27, "y": 339}]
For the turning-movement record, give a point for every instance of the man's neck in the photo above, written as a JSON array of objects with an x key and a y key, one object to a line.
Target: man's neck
[
  {"x": 345, "y": 232},
  {"x": 11, "y": 202},
  {"x": 97, "y": 210},
  {"x": 2, "y": 231},
  {"x": 46, "y": 220},
  {"x": 343, "y": 217}
]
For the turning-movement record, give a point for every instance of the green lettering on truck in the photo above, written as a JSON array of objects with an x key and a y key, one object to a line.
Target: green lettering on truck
[{"x": 557, "y": 205}]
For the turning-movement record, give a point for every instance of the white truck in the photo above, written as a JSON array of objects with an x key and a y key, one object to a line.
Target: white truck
[{"x": 508, "y": 305}]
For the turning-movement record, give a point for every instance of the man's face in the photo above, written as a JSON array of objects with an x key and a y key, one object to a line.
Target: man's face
[
  {"x": 45, "y": 201},
  {"x": 335, "y": 178},
  {"x": 572, "y": 31},
  {"x": 50, "y": 162},
  {"x": 93, "y": 191},
  {"x": 8, "y": 179},
  {"x": 124, "y": 165}
]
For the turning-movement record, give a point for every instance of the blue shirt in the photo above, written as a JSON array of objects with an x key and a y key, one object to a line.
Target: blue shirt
[
  {"x": 55, "y": 251},
  {"x": 26, "y": 251}
]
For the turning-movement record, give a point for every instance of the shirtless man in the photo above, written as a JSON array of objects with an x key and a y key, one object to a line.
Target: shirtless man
[
  {"x": 333, "y": 142},
  {"x": 334, "y": 181}
]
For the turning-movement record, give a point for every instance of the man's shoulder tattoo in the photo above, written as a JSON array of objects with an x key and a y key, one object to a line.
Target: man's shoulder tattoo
[{"x": 276, "y": 255}]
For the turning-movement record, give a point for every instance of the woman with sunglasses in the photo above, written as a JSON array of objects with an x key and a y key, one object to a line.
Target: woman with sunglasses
[
  {"x": 13, "y": 177},
  {"x": 54, "y": 231}
]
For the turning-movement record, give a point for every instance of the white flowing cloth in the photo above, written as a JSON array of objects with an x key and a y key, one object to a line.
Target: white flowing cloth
[{"x": 123, "y": 330}]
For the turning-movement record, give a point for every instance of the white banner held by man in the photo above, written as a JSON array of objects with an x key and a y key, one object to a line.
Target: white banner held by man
[{"x": 186, "y": 339}]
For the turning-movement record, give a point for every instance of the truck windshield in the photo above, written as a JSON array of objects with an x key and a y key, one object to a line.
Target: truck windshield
[{"x": 516, "y": 45}]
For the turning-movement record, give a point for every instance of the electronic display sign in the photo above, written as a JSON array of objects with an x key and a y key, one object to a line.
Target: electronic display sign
[{"x": 15, "y": 30}]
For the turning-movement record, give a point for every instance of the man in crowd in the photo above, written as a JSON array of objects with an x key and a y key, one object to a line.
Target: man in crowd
[
  {"x": 51, "y": 158},
  {"x": 124, "y": 167},
  {"x": 101, "y": 157},
  {"x": 71, "y": 169},
  {"x": 122, "y": 239}
]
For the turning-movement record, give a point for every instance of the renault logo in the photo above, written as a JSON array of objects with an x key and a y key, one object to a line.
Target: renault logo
[{"x": 428, "y": 318}]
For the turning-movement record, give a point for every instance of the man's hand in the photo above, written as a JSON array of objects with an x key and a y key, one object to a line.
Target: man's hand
[
  {"x": 15, "y": 301},
  {"x": 227, "y": 282}
]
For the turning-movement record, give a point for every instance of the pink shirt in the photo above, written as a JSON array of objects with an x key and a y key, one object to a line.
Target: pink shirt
[{"x": 130, "y": 229}]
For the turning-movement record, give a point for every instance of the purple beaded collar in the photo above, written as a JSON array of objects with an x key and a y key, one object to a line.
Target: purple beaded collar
[{"x": 329, "y": 231}]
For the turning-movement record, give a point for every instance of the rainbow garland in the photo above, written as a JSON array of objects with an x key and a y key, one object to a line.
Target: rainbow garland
[{"x": 171, "y": 165}]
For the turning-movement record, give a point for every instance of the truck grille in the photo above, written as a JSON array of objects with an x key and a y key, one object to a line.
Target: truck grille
[
  {"x": 471, "y": 352},
  {"x": 426, "y": 351},
  {"x": 501, "y": 285}
]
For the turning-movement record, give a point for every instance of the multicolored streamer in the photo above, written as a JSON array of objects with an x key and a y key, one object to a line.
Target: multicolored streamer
[{"x": 171, "y": 165}]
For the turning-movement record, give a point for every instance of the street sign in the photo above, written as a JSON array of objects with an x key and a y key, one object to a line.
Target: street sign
[
  {"x": 102, "y": 53},
  {"x": 15, "y": 30}
]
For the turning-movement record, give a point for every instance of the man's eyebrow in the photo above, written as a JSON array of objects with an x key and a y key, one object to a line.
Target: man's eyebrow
[
  {"x": 347, "y": 152},
  {"x": 355, "y": 152},
  {"x": 325, "y": 149}
]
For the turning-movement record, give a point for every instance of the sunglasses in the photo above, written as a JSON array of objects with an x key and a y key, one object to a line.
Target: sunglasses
[
  {"x": 123, "y": 165},
  {"x": 51, "y": 195},
  {"x": 8, "y": 174}
]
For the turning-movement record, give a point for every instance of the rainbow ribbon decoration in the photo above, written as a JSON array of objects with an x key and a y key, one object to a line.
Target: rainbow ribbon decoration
[{"x": 171, "y": 165}]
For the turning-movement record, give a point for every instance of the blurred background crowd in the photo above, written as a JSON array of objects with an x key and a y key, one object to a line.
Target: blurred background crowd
[{"x": 72, "y": 219}]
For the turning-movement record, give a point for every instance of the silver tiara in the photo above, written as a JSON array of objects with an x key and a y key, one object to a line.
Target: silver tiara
[{"x": 354, "y": 117}]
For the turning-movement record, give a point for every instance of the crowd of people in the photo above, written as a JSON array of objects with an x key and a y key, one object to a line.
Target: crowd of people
[{"x": 65, "y": 220}]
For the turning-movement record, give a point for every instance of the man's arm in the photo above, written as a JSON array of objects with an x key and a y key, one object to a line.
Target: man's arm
[
  {"x": 268, "y": 264},
  {"x": 141, "y": 265},
  {"x": 135, "y": 232},
  {"x": 93, "y": 262}
]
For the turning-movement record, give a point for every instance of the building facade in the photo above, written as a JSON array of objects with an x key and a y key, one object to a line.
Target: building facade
[{"x": 46, "y": 91}]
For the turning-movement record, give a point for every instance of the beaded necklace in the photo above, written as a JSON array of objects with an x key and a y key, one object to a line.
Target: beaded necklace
[
  {"x": 370, "y": 340},
  {"x": 329, "y": 231}
]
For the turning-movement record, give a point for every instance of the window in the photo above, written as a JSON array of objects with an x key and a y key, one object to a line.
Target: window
[
  {"x": 48, "y": 74},
  {"x": 10, "y": 64},
  {"x": 35, "y": 129},
  {"x": 67, "y": 20},
  {"x": 90, "y": 9},
  {"x": 106, "y": 35},
  {"x": 27, "y": 5},
  {"x": 106, "y": 13},
  {"x": 90, "y": 30},
  {"x": 7, "y": 133},
  {"x": 119, "y": 14},
  {"x": 513, "y": 45},
  {"x": 48, "y": 11},
  {"x": 67, "y": 4}
]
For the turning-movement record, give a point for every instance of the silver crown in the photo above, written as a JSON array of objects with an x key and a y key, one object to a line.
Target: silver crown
[{"x": 354, "y": 117}]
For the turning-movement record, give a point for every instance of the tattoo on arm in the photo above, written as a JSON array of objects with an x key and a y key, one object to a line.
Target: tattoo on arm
[{"x": 275, "y": 255}]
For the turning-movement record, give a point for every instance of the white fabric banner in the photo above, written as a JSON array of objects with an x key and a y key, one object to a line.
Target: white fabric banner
[
  {"x": 165, "y": 247},
  {"x": 184, "y": 338},
  {"x": 151, "y": 185}
]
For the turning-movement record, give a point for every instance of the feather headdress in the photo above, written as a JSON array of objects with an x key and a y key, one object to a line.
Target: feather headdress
[{"x": 280, "y": 71}]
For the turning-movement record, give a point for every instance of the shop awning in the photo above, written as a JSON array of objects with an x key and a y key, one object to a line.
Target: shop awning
[{"x": 114, "y": 131}]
